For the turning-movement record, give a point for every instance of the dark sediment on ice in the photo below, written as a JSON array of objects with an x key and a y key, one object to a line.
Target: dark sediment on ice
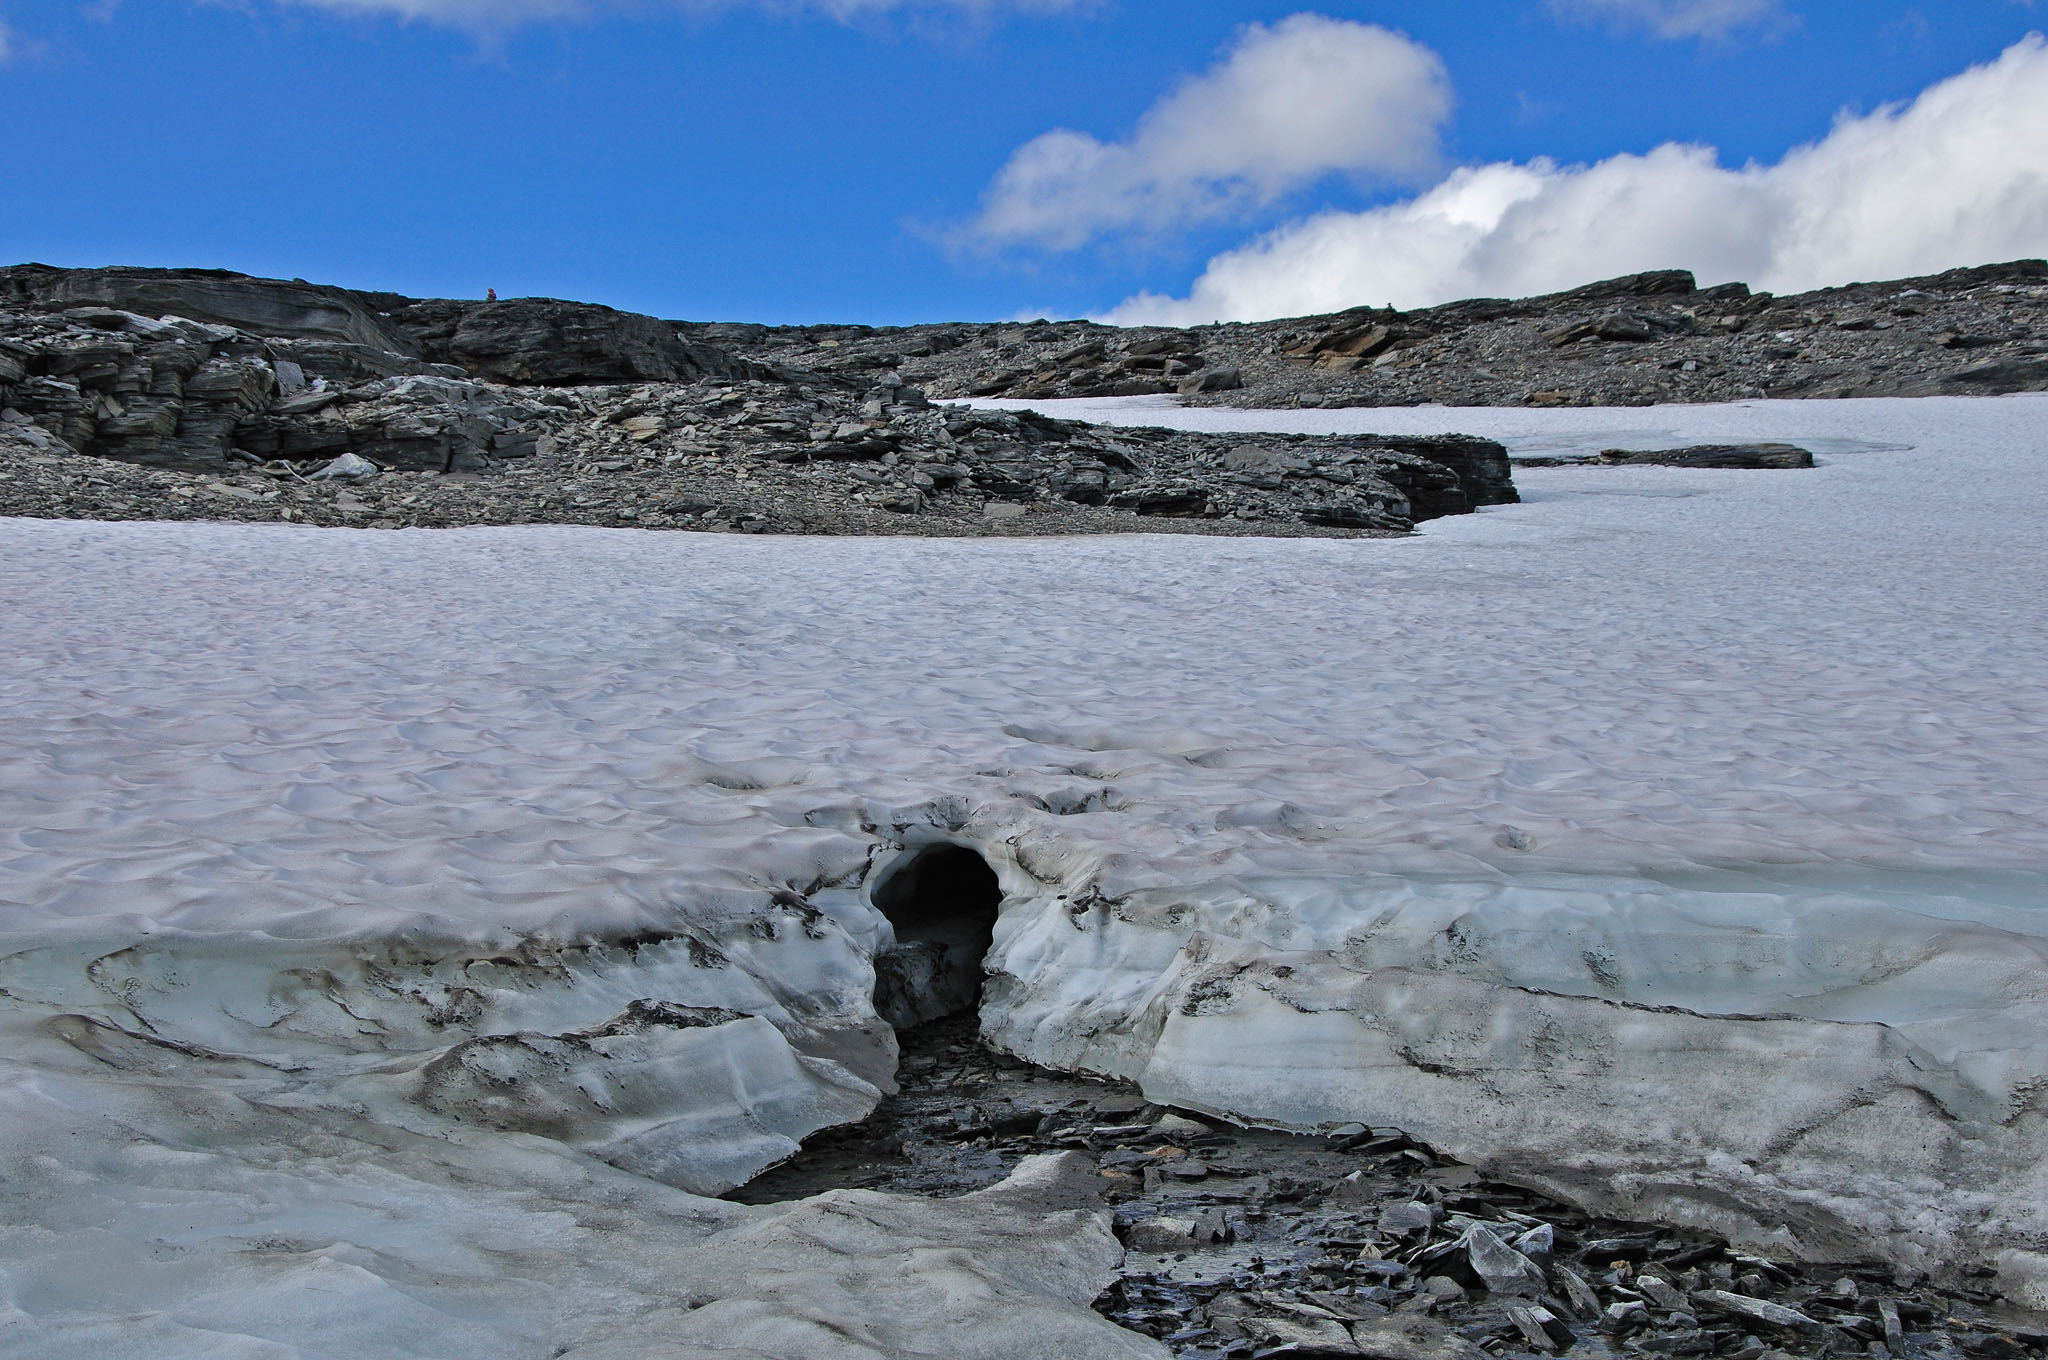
[{"x": 1247, "y": 1242}]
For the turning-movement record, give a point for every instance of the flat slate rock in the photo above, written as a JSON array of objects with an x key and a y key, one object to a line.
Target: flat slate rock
[
  {"x": 1301, "y": 1245},
  {"x": 1755, "y": 456}
]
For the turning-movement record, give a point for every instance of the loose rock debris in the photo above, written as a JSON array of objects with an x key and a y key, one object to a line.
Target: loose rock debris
[
  {"x": 1246, "y": 1243},
  {"x": 258, "y": 399}
]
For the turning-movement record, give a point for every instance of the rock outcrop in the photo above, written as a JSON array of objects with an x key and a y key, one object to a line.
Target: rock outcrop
[
  {"x": 273, "y": 307},
  {"x": 538, "y": 342},
  {"x": 1751, "y": 457},
  {"x": 1754, "y": 457},
  {"x": 186, "y": 392},
  {"x": 562, "y": 412},
  {"x": 829, "y": 429},
  {"x": 1632, "y": 341}
]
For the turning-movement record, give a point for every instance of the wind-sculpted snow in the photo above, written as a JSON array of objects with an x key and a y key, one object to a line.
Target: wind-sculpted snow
[{"x": 391, "y": 911}]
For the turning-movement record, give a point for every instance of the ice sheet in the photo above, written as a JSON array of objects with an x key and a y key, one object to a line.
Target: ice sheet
[{"x": 290, "y": 816}]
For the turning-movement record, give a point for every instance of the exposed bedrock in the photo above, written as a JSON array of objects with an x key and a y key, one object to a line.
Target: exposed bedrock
[
  {"x": 301, "y": 396},
  {"x": 1746, "y": 456},
  {"x": 294, "y": 309},
  {"x": 545, "y": 343},
  {"x": 1633, "y": 341},
  {"x": 527, "y": 341}
]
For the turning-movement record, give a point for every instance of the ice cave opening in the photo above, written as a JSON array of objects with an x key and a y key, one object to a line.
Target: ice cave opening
[{"x": 942, "y": 901}]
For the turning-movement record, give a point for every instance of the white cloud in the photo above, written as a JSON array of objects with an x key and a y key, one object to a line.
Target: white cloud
[
  {"x": 6, "y": 43},
  {"x": 1959, "y": 176},
  {"x": 1679, "y": 18},
  {"x": 1288, "y": 105},
  {"x": 457, "y": 13},
  {"x": 505, "y": 14}
]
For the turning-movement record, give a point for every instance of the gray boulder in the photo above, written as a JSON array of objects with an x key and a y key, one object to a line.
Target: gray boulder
[
  {"x": 1716, "y": 456},
  {"x": 1213, "y": 380}
]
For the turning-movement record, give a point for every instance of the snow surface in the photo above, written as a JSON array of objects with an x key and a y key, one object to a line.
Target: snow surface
[{"x": 1677, "y": 839}]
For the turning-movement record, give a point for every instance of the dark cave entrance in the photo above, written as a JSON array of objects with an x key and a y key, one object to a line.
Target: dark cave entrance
[{"x": 943, "y": 902}]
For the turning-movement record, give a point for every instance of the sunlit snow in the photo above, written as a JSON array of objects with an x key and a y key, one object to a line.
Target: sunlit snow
[{"x": 1734, "y": 785}]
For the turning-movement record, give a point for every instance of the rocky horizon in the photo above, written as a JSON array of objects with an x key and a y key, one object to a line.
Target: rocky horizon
[
  {"x": 194, "y": 394},
  {"x": 1975, "y": 329},
  {"x": 178, "y": 394},
  {"x": 1630, "y": 341}
]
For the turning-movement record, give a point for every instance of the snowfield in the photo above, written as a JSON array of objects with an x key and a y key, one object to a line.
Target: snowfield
[{"x": 384, "y": 914}]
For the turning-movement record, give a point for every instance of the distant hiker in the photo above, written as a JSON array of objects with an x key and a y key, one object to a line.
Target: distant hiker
[{"x": 490, "y": 295}]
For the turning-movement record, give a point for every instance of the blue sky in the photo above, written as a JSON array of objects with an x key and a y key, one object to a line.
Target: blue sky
[{"x": 778, "y": 160}]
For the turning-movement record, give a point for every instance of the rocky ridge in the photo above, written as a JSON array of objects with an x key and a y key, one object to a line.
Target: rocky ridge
[
  {"x": 1633, "y": 341},
  {"x": 190, "y": 394}
]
